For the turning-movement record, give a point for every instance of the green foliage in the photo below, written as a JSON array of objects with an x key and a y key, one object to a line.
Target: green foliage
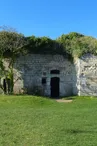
[
  {"x": 71, "y": 45},
  {"x": 11, "y": 45},
  {"x": 77, "y": 44},
  {"x": 43, "y": 45}
]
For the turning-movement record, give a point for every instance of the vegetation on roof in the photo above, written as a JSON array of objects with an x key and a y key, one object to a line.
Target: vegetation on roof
[
  {"x": 77, "y": 44},
  {"x": 72, "y": 44},
  {"x": 43, "y": 45}
]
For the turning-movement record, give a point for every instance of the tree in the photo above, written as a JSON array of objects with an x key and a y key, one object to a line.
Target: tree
[{"x": 12, "y": 44}]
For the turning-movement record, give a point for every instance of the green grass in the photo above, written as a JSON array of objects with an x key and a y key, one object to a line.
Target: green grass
[{"x": 37, "y": 121}]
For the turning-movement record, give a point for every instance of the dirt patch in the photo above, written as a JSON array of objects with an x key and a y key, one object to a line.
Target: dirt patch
[{"x": 63, "y": 100}]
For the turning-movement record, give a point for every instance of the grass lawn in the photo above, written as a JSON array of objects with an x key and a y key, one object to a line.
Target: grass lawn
[{"x": 37, "y": 121}]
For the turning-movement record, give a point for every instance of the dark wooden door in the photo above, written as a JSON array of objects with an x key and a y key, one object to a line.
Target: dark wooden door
[{"x": 55, "y": 87}]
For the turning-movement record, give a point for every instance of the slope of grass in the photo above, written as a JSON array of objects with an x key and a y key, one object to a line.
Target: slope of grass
[{"x": 37, "y": 121}]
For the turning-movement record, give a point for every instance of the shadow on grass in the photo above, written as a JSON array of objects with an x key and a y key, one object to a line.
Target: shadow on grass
[
  {"x": 77, "y": 131},
  {"x": 70, "y": 97}
]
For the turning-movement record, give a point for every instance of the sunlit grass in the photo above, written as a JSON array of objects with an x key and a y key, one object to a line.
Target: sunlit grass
[{"x": 38, "y": 121}]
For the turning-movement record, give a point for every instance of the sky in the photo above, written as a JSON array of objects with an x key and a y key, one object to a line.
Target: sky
[{"x": 50, "y": 18}]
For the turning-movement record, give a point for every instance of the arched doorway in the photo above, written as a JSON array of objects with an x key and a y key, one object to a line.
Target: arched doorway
[{"x": 55, "y": 87}]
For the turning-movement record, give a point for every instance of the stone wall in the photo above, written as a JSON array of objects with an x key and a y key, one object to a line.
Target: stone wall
[
  {"x": 78, "y": 78},
  {"x": 87, "y": 75},
  {"x": 30, "y": 69}
]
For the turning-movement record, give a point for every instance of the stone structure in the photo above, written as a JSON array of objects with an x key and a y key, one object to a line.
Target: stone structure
[
  {"x": 50, "y": 74},
  {"x": 55, "y": 75},
  {"x": 87, "y": 75}
]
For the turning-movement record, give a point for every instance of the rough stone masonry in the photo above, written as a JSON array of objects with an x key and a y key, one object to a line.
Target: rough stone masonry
[{"x": 55, "y": 75}]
